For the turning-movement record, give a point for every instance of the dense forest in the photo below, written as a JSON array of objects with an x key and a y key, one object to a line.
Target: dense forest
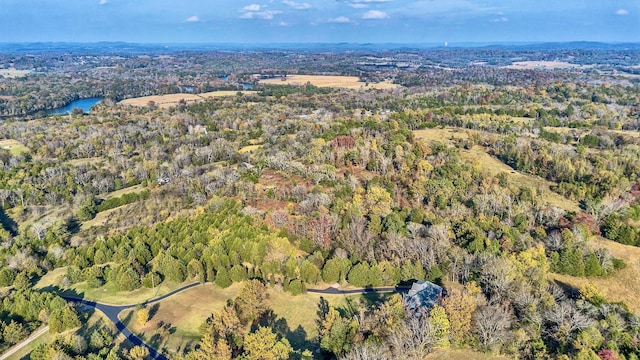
[{"x": 512, "y": 189}]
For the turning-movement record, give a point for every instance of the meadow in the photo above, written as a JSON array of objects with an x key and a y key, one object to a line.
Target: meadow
[{"x": 348, "y": 82}]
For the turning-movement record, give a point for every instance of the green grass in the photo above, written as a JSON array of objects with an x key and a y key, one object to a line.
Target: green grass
[
  {"x": 25, "y": 351},
  {"x": 107, "y": 294},
  {"x": 185, "y": 312},
  {"x": 15, "y": 147}
]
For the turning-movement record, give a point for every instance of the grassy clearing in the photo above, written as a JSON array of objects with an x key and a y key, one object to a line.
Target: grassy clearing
[
  {"x": 527, "y": 65},
  {"x": 492, "y": 166},
  {"x": 107, "y": 294},
  {"x": 349, "y": 82},
  {"x": 623, "y": 285},
  {"x": 131, "y": 189},
  {"x": 185, "y": 312},
  {"x": 102, "y": 217},
  {"x": 86, "y": 161},
  {"x": 451, "y": 354},
  {"x": 14, "y": 146},
  {"x": 13, "y": 73},
  {"x": 249, "y": 148},
  {"x": 167, "y": 101}
]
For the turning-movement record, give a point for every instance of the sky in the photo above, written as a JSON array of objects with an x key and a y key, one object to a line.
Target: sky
[{"x": 319, "y": 21}]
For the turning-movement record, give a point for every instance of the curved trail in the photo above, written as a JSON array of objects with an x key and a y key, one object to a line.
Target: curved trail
[{"x": 112, "y": 311}]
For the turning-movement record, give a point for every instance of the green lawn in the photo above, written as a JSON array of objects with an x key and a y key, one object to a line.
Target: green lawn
[
  {"x": 107, "y": 294},
  {"x": 185, "y": 312}
]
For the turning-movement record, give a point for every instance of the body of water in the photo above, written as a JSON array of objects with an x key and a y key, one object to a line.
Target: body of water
[{"x": 84, "y": 104}]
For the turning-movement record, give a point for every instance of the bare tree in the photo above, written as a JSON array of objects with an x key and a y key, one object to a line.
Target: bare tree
[{"x": 492, "y": 324}]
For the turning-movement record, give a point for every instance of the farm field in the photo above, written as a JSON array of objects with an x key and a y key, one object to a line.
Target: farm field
[
  {"x": 348, "y": 82},
  {"x": 167, "y": 101},
  {"x": 528, "y": 65},
  {"x": 13, "y": 73}
]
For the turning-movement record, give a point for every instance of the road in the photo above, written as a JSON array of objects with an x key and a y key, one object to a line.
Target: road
[
  {"x": 112, "y": 311},
  {"x": 24, "y": 343},
  {"x": 336, "y": 291}
]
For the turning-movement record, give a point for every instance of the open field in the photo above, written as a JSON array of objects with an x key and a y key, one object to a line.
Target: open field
[
  {"x": 86, "y": 161},
  {"x": 131, "y": 189},
  {"x": 623, "y": 285},
  {"x": 101, "y": 218},
  {"x": 527, "y": 65},
  {"x": 349, "y": 82},
  {"x": 13, "y": 73},
  {"x": 249, "y": 148},
  {"x": 14, "y": 146},
  {"x": 451, "y": 354},
  {"x": 107, "y": 294},
  {"x": 489, "y": 164},
  {"x": 167, "y": 101},
  {"x": 186, "y": 311}
]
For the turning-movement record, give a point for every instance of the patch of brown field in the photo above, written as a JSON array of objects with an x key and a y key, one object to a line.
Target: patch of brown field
[
  {"x": 169, "y": 100},
  {"x": 103, "y": 217},
  {"x": 117, "y": 193},
  {"x": 348, "y": 82},
  {"x": 249, "y": 148},
  {"x": 7, "y": 97},
  {"x": 631, "y": 133},
  {"x": 621, "y": 286},
  {"x": 274, "y": 179},
  {"x": 527, "y": 65},
  {"x": 13, "y": 73},
  {"x": 451, "y": 354},
  {"x": 493, "y": 166},
  {"x": 85, "y": 161},
  {"x": 560, "y": 129}
]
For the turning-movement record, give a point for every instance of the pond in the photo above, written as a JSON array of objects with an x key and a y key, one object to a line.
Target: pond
[{"x": 84, "y": 104}]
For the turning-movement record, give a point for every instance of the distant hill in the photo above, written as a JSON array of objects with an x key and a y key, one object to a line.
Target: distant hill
[{"x": 123, "y": 47}]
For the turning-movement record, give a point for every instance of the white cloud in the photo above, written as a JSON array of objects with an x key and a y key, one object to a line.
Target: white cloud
[
  {"x": 375, "y": 14},
  {"x": 266, "y": 14},
  {"x": 282, "y": 23},
  {"x": 361, "y": 4},
  {"x": 340, "y": 19},
  {"x": 255, "y": 11},
  {"x": 296, "y": 5},
  {"x": 622, "y": 12},
  {"x": 252, "y": 7},
  {"x": 500, "y": 19},
  {"x": 104, "y": 2},
  {"x": 193, "y": 19}
]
